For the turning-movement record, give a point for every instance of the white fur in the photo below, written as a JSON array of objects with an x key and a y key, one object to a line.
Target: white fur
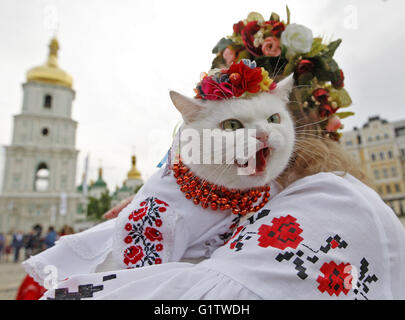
[{"x": 253, "y": 113}]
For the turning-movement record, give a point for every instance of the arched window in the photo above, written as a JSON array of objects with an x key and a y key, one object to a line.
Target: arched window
[
  {"x": 48, "y": 101},
  {"x": 45, "y": 131},
  {"x": 42, "y": 174}
]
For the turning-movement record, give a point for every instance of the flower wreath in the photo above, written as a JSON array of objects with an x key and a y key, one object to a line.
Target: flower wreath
[
  {"x": 239, "y": 80},
  {"x": 280, "y": 48}
]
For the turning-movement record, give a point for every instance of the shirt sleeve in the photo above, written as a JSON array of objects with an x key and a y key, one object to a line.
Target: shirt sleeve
[{"x": 72, "y": 254}]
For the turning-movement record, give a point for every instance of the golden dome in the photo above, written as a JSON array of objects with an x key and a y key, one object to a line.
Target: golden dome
[
  {"x": 50, "y": 71},
  {"x": 134, "y": 172}
]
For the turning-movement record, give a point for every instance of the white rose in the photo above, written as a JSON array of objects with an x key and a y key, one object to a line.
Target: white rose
[{"x": 297, "y": 38}]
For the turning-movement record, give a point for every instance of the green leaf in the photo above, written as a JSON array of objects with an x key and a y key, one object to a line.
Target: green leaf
[
  {"x": 305, "y": 78},
  {"x": 274, "y": 17},
  {"x": 288, "y": 14},
  {"x": 244, "y": 54},
  {"x": 222, "y": 44},
  {"x": 218, "y": 62},
  {"x": 271, "y": 64},
  {"x": 332, "y": 48},
  {"x": 341, "y": 96},
  {"x": 289, "y": 68},
  {"x": 343, "y": 115},
  {"x": 255, "y": 16},
  {"x": 316, "y": 48}
]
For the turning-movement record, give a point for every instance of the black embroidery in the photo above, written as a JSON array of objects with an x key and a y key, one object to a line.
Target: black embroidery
[
  {"x": 109, "y": 277},
  {"x": 85, "y": 291}
]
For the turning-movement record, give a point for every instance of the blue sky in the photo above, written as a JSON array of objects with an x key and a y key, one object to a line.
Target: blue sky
[{"x": 124, "y": 57}]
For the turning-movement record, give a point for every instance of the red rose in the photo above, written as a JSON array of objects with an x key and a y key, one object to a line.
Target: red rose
[
  {"x": 304, "y": 66},
  {"x": 128, "y": 227},
  {"x": 153, "y": 234},
  {"x": 248, "y": 81},
  {"x": 162, "y": 209},
  {"x": 215, "y": 91},
  {"x": 159, "y": 247},
  {"x": 138, "y": 214},
  {"x": 335, "y": 279},
  {"x": 339, "y": 83},
  {"x": 321, "y": 95},
  {"x": 237, "y": 27},
  {"x": 248, "y": 33},
  {"x": 326, "y": 110},
  {"x": 133, "y": 254},
  {"x": 158, "y": 261},
  {"x": 158, "y": 222},
  {"x": 285, "y": 232},
  {"x": 278, "y": 27}
]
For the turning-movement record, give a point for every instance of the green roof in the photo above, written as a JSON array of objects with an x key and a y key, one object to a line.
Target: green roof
[
  {"x": 100, "y": 183},
  {"x": 124, "y": 188}
]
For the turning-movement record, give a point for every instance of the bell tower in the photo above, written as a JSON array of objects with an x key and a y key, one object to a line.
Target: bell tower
[{"x": 40, "y": 169}]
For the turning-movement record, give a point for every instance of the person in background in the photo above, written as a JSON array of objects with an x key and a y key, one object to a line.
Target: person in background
[
  {"x": 8, "y": 246},
  {"x": 2, "y": 245},
  {"x": 66, "y": 230},
  {"x": 29, "y": 244},
  {"x": 51, "y": 237},
  {"x": 38, "y": 241},
  {"x": 17, "y": 243}
]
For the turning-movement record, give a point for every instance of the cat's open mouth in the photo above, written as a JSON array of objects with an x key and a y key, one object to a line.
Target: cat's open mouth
[{"x": 262, "y": 157}]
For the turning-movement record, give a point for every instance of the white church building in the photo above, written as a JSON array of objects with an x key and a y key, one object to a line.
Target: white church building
[{"x": 39, "y": 181}]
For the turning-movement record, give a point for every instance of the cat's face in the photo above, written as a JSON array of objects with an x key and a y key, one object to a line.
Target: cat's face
[{"x": 237, "y": 143}]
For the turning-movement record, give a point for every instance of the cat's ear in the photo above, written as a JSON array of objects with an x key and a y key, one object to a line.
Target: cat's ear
[
  {"x": 187, "y": 107},
  {"x": 284, "y": 88}
]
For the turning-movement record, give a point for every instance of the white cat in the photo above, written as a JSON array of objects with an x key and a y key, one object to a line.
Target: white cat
[{"x": 261, "y": 121}]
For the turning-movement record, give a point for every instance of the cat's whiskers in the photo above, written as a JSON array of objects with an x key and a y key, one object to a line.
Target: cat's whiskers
[
  {"x": 275, "y": 68},
  {"x": 279, "y": 69},
  {"x": 309, "y": 124}
]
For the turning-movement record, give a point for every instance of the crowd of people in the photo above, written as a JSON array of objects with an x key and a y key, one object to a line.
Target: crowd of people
[{"x": 18, "y": 245}]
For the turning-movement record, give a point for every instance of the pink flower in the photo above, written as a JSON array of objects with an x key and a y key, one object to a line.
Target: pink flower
[
  {"x": 333, "y": 124},
  {"x": 229, "y": 56},
  {"x": 271, "y": 47}
]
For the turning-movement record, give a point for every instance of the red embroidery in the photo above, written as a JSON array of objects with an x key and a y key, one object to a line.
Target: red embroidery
[
  {"x": 285, "y": 232},
  {"x": 138, "y": 214},
  {"x": 152, "y": 234},
  {"x": 133, "y": 254},
  {"x": 336, "y": 279},
  {"x": 143, "y": 234},
  {"x": 233, "y": 244},
  {"x": 334, "y": 244}
]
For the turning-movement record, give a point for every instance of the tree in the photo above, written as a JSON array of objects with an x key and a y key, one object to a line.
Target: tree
[{"x": 97, "y": 207}]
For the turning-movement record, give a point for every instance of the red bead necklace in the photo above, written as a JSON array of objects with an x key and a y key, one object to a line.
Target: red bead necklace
[{"x": 218, "y": 197}]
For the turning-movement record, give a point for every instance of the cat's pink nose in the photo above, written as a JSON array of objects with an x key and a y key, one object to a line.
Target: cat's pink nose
[{"x": 262, "y": 136}]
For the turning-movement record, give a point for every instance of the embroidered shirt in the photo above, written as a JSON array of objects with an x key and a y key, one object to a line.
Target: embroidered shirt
[{"x": 325, "y": 236}]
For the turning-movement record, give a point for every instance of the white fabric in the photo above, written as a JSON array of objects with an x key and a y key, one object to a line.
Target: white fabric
[
  {"x": 296, "y": 247},
  {"x": 188, "y": 232}
]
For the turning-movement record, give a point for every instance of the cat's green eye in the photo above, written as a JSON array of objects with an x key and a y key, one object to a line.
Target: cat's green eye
[
  {"x": 231, "y": 124},
  {"x": 275, "y": 118}
]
